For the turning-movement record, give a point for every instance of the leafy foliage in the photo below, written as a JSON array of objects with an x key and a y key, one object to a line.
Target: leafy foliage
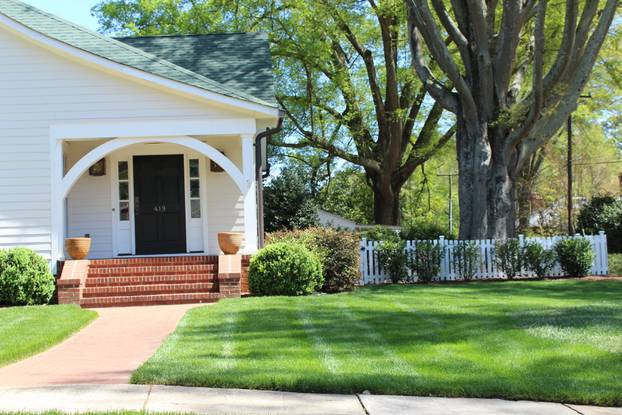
[
  {"x": 603, "y": 213},
  {"x": 393, "y": 258},
  {"x": 426, "y": 260},
  {"x": 509, "y": 255},
  {"x": 289, "y": 202},
  {"x": 25, "y": 278},
  {"x": 338, "y": 251},
  {"x": 424, "y": 231},
  {"x": 467, "y": 257},
  {"x": 285, "y": 269},
  {"x": 575, "y": 256},
  {"x": 538, "y": 260}
]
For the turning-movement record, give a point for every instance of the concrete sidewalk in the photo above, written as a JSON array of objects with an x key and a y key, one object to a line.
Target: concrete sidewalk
[{"x": 83, "y": 398}]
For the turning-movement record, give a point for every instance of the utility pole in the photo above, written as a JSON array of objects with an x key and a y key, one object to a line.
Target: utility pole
[
  {"x": 450, "y": 207},
  {"x": 569, "y": 176}
]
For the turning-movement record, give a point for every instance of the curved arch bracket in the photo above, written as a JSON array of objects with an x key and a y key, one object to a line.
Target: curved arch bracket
[{"x": 111, "y": 146}]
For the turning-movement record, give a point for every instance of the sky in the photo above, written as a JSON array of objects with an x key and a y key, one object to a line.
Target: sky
[{"x": 77, "y": 11}]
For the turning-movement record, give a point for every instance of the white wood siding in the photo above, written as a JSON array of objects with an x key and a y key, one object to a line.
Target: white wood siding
[
  {"x": 225, "y": 203},
  {"x": 39, "y": 88}
]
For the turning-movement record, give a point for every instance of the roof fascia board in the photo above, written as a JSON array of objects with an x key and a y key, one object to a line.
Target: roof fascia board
[{"x": 38, "y": 38}]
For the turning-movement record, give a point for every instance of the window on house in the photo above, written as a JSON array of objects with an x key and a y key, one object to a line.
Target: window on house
[
  {"x": 124, "y": 191},
  {"x": 195, "y": 189}
]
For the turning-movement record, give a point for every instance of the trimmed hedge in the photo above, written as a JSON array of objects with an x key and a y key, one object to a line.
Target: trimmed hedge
[
  {"x": 575, "y": 256},
  {"x": 25, "y": 278},
  {"x": 285, "y": 269},
  {"x": 338, "y": 251}
]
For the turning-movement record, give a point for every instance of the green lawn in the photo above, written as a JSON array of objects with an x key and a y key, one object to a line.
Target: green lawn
[
  {"x": 615, "y": 264},
  {"x": 540, "y": 340},
  {"x": 25, "y": 331}
]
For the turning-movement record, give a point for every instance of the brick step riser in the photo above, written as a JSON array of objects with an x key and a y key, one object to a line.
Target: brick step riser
[
  {"x": 149, "y": 280},
  {"x": 140, "y": 300},
  {"x": 152, "y": 264},
  {"x": 147, "y": 303},
  {"x": 150, "y": 271},
  {"x": 140, "y": 262},
  {"x": 130, "y": 290}
]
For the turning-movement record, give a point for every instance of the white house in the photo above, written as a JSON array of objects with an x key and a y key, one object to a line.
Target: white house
[{"x": 146, "y": 144}]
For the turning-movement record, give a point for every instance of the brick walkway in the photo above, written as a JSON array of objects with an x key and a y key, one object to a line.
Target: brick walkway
[{"x": 105, "y": 352}]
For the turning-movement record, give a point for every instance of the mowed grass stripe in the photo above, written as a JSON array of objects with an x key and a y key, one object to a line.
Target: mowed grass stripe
[
  {"x": 383, "y": 347},
  {"x": 228, "y": 359},
  {"x": 321, "y": 346}
]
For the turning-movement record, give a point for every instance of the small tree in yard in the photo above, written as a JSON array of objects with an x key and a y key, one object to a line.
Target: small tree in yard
[
  {"x": 467, "y": 257},
  {"x": 538, "y": 260},
  {"x": 575, "y": 256},
  {"x": 509, "y": 255},
  {"x": 426, "y": 260},
  {"x": 393, "y": 258}
]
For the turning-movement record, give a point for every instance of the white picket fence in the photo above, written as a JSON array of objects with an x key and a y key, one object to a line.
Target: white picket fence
[{"x": 372, "y": 272}]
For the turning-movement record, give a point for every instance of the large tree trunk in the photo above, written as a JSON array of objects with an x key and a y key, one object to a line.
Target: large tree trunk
[
  {"x": 386, "y": 204},
  {"x": 486, "y": 190}
]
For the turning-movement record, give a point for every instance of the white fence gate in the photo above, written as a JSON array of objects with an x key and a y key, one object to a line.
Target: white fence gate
[{"x": 372, "y": 272}]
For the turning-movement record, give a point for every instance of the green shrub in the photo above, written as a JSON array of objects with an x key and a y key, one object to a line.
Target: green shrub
[
  {"x": 393, "y": 258},
  {"x": 25, "y": 278},
  {"x": 338, "y": 251},
  {"x": 284, "y": 269},
  {"x": 603, "y": 213},
  {"x": 538, "y": 260},
  {"x": 575, "y": 256},
  {"x": 615, "y": 265},
  {"x": 467, "y": 259},
  {"x": 426, "y": 261},
  {"x": 509, "y": 256},
  {"x": 379, "y": 233},
  {"x": 424, "y": 231}
]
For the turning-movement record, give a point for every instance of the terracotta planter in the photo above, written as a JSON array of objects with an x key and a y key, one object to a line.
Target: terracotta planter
[
  {"x": 230, "y": 242},
  {"x": 78, "y": 248}
]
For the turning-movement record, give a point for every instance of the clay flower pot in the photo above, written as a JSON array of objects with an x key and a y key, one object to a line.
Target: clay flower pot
[
  {"x": 78, "y": 248},
  {"x": 230, "y": 242}
]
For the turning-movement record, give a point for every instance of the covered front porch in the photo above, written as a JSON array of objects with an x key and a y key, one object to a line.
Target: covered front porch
[{"x": 158, "y": 189}]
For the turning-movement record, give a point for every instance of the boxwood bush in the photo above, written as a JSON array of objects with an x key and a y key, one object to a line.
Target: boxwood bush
[
  {"x": 337, "y": 250},
  {"x": 575, "y": 256},
  {"x": 509, "y": 255},
  {"x": 285, "y": 269},
  {"x": 25, "y": 278},
  {"x": 538, "y": 260},
  {"x": 426, "y": 261}
]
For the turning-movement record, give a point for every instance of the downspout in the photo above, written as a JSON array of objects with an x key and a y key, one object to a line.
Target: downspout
[{"x": 259, "y": 176}]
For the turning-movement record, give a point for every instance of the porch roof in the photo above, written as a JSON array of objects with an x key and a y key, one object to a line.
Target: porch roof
[{"x": 120, "y": 52}]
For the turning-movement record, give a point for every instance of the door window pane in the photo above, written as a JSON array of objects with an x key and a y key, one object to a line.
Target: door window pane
[
  {"x": 195, "y": 209},
  {"x": 194, "y": 168},
  {"x": 194, "y": 189},
  {"x": 123, "y": 170},
  {"x": 124, "y": 191},
  {"x": 124, "y": 211}
]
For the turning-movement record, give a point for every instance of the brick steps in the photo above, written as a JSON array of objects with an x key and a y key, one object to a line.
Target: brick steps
[
  {"x": 122, "y": 282},
  {"x": 141, "y": 300},
  {"x": 133, "y": 271},
  {"x": 151, "y": 289},
  {"x": 102, "y": 281}
]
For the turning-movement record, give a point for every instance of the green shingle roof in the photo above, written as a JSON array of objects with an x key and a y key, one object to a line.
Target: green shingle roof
[
  {"x": 125, "y": 54},
  {"x": 237, "y": 60}
]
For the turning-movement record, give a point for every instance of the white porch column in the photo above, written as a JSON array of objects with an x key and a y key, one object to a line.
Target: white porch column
[
  {"x": 57, "y": 208},
  {"x": 250, "y": 198}
]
